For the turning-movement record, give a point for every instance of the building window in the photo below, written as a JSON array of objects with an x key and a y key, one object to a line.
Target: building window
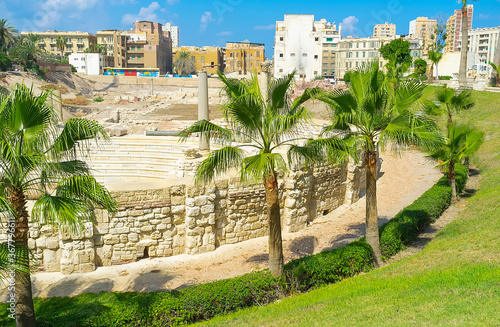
[
  {"x": 281, "y": 70},
  {"x": 281, "y": 55},
  {"x": 364, "y": 54},
  {"x": 257, "y": 54},
  {"x": 304, "y": 55},
  {"x": 202, "y": 58},
  {"x": 316, "y": 39},
  {"x": 329, "y": 39},
  {"x": 315, "y": 72},
  {"x": 281, "y": 38},
  {"x": 292, "y": 54},
  {"x": 315, "y": 56}
]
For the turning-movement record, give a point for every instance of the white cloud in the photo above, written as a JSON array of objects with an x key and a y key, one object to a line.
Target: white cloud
[
  {"x": 206, "y": 19},
  {"x": 483, "y": 16},
  {"x": 224, "y": 33},
  {"x": 146, "y": 13},
  {"x": 58, "y": 5},
  {"x": 172, "y": 2},
  {"x": 46, "y": 19},
  {"x": 265, "y": 27},
  {"x": 349, "y": 26}
]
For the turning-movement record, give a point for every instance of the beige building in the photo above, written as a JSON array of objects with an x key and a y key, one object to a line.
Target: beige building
[
  {"x": 384, "y": 30},
  {"x": 76, "y": 42},
  {"x": 423, "y": 28},
  {"x": 454, "y": 28},
  {"x": 243, "y": 57},
  {"x": 116, "y": 43},
  {"x": 209, "y": 59},
  {"x": 353, "y": 52},
  {"x": 330, "y": 42},
  {"x": 148, "y": 46}
]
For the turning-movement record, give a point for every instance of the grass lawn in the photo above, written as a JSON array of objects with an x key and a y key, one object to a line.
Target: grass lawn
[{"x": 454, "y": 281}]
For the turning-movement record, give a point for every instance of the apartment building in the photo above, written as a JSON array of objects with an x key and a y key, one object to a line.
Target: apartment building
[
  {"x": 309, "y": 47},
  {"x": 209, "y": 59},
  {"x": 174, "y": 33},
  {"x": 116, "y": 44},
  {"x": 76, "y": 42},
  {"x": 454, "y": 28},
  {"x": 149, "y": 47},
  {"x": 244, "y": 57},
  {"x": 423, "y": 28},
  {"x": 384, "y": 30},
  {"x": 89, "y": 63},
  {"x": 353, "y": 52},
  {"x": 482, "y": 41}
]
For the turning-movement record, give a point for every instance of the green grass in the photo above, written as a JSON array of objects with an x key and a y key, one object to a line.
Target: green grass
[{"x": 454, "y": 281}]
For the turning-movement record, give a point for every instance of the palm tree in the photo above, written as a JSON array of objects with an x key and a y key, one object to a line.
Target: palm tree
[
  {"x": 495, "y": 77},
  {"x": 61, "y": 45},
  {"x": 270, "y": 123},
  {"x": 369, "y": 115},
  {"x": 435, "y": 57},
  {"x": 40, "y": 160},
  {"x": 449, "y": 103},
  {"x": 184, "y": 63},
  {"x": 461, "y": 142},
  {"x": 496, "y": 72},
  {"x": 27, "y": 50},
  {"x": 7, "y": 38},
  {"x": 101, "y": 48},
  {"x": 462, "y": 73}
]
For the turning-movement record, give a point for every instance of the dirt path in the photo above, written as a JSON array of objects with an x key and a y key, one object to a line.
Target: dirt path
[{"x": 403, "y": 179}]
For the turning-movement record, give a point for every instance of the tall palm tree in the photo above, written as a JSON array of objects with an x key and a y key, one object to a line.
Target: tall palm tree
[
  {"x": 435, "y": 57},
  {"x": 462, "y": 73},
  {"x": 184, "y": 63},
  {"x": 369, "y": 115},
  {"x": 40, "y": 160},
  {"x": 61, "y": 45},
  {"x": 460, "y": 143},
  {"x": 101, "y": 48},
  {"x": 449, "y": 103},
  {"x": 270, "y": 123},
  {"x": 27, "y": 50},
  {"x": 7, "y": 38}
]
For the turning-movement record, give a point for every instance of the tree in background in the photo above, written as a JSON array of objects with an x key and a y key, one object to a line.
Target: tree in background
[
  {"x": 5, "y": 62},
  {"x": 184, "y": 63},
  {"x": 270, "y": 123},
  {"x": 420, "y": 67},
  {"x": 495, "y": 74},
  {"x": 61, "y": 45},
  {"x": 398, "y": 50},
  {"x": 7, "y": 38},
  {"x": 100, "y": 48},
  {"x": 38, "y": 157},
  {"x": 435, "y": 57},
  {"x": 462, "y": 72},
  {"x": 449, "y": 103},
  {"x": 439, "y": 35},
  {"x": 26, "y": 51},
  {"x": 460, "y": 143},
  {"x": 368, "y": 115}
]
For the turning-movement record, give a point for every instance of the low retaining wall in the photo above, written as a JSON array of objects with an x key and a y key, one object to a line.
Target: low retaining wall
[{"x": 189, "y": 219}]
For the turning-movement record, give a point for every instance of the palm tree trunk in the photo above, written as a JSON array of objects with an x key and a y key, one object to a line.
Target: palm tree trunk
[
  {"x": 431, "y": 72},
  {"x": 462, "y": 74},
  {"x": 452, "y": 181},
  {"x": 25, "y": 312},
  {"x": 274, "y": 222},
  {"x": 437, "y": 72},
  {"x": 372, "y": 232},
  {"x": 495, "y": 76}
]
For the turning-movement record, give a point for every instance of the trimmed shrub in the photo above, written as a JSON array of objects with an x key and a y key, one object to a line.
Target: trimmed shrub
[{"x": 445, "y": 78}]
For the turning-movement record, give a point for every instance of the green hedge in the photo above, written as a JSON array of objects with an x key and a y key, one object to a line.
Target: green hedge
[
  {"x": 204, "y": 301},
  {"x": 404, "y": 228}
]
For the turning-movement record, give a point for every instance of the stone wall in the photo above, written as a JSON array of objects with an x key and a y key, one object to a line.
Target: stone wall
[{"x": 190, "y": 219}]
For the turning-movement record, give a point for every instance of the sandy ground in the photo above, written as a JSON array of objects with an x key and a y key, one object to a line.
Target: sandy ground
[{"x": 402, "y": 180}]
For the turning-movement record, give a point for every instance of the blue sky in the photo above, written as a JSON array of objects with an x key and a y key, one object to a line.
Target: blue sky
[{"x": 214, "y": 22}]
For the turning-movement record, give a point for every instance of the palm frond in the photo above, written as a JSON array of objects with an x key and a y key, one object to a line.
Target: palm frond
[
  {"x": 255, "y": 167},
  {"x": 14, "y": 257},
  {"x": 218, "y": 162},
  {"x": 75, "y": 131},
  {"x": 213, "y": 132},
  {"x": 278, "y": 91}
]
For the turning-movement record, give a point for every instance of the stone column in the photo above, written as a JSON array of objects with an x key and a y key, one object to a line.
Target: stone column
[
  {"x": 203, "y": 107},
  {"x": 152, "y": 86},
  {"x": 265, "y": 78}
]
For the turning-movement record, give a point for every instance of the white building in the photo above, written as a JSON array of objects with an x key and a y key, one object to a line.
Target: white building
[
  {"x": 483, "y": 42},
  {"x": 88, "y": 63},
  {"x": 298, "y": 45},
  {"x": 174, "y": 33}
]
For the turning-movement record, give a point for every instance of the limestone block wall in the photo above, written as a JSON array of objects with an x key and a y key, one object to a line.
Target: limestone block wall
[{"x": 191, "y": 219}]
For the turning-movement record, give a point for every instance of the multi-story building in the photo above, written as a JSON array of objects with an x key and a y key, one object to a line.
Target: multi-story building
[
  {"x": 384, "y": 30},
  {"x": 244, "y": 57},
  {"x": 330, "y": 40},
  {"x": 116, "y": 44},
  {"x": 353, "y": 52},
  {"x": 482, "y": 41},
  {"x": 174, "y": 33},
  {"x": 209, "y": 59},
  {"x": 304, "y": 45},
  {"x": 454, "y": 28},
  {"x": 423, "y": 28},
  {"x": 149, "y": 47},
  {"x": 76, "y": 42}
]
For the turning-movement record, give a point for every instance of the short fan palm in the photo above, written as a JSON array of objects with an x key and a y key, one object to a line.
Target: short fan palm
[
  {"x": 270, "y": 124},
  {"x": 40, "y": 160}
]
